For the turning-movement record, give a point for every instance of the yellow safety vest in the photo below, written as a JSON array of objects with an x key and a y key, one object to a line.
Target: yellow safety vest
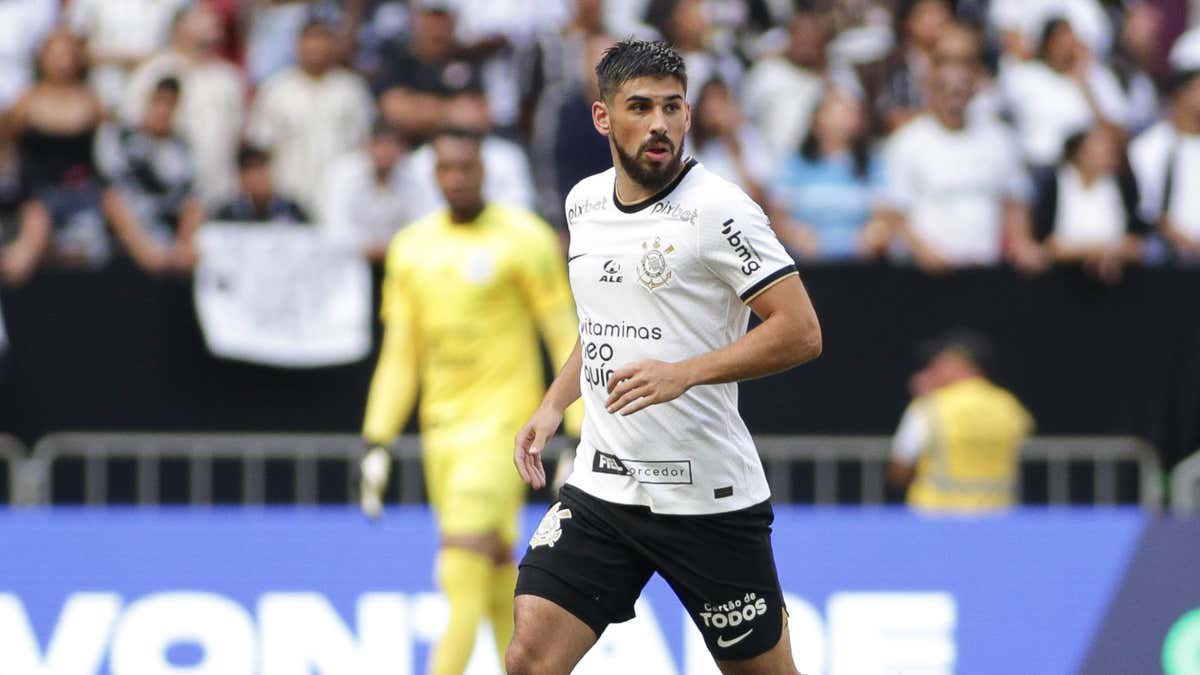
[{"x": 971, "y": 462}]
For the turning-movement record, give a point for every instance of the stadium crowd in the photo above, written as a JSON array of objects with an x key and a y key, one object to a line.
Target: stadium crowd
[{"x": 928, "y": 132}]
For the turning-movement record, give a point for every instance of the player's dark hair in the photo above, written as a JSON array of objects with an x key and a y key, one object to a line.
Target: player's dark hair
[
  {"x": 249, "y": 156},
  {"x": 630, "y": 59},
  {"x": 1073, "y": 144}
]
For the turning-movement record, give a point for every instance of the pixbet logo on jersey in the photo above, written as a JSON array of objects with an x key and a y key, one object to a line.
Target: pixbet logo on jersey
[
  {"x": 740, "y": 243},
  {"x": 675, "y": 211},
  {"x": 586, "y": 206}
]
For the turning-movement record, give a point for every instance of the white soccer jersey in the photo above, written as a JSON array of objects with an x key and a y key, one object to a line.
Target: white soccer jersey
[{"x": 668, "y": 279}]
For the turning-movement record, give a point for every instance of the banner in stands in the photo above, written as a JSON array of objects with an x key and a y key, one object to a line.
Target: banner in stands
[
  {"x": 282, "y": 295},
  {"x": 321, "y": 591}
]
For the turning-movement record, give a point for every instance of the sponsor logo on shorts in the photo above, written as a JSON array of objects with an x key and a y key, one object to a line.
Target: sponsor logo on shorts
[
  {"x": 653, "y": 472},
  {"x": 732, "y": 614},
  {"x": 726, "y": 644},
  {"x": 549, "y": 531}
]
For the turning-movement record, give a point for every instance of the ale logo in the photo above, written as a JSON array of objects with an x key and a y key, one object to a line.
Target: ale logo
[{"x": 1181, "y": 648}]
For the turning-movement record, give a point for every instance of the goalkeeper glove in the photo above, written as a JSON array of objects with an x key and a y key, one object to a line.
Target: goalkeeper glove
[{"x": 374, "y": 467}]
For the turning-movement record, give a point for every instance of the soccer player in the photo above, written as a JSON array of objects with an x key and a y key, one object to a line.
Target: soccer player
[
  {"x": 666, "y": 262},
  {"x": 465, "y": 292}
]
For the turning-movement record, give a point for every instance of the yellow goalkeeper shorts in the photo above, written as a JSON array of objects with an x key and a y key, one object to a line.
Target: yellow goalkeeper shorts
[{"x": 474, "y": 489}]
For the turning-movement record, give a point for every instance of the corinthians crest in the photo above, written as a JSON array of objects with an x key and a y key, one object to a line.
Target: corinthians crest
[
  {"x": 653, "y": 269},
  {"x": 549, "y": 531}
]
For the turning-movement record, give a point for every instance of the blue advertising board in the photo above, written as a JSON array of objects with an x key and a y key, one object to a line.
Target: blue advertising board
[{"x": 294, "y": 591}]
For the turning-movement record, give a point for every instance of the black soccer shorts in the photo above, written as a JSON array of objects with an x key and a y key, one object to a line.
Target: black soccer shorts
[{"x": 592, "y": 558}]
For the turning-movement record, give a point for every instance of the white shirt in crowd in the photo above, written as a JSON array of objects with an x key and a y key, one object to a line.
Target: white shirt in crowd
[
  {"x": 506, "y": 177},
  {"x": 1157, "y": 152},
  {"x": 121, "y": 27},
  {"x": 23, "y": 26},
  {"x": 212, "y": 109},
  {"x": 1029, "y": 17},
  {"x": 780, "y": 97},
  {"x": 1048, "y": 106},
  {"x": 355, "y": 206},
  {"x": 718, "y": 158},
  {"x": 308, "y": 122},
  {"x": 667, "y": 279},
  {"x": 1088, "y": 215},
  {"x": 952, "y": 186}
]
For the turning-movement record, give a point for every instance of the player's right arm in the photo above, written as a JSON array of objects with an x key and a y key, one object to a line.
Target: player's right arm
[
  {"x": 531, "y": 439},
  {"x": 393, "y": 386}
]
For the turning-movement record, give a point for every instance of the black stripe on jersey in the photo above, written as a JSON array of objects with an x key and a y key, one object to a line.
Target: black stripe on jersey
[
  {"x": 767, "y": 281},
  {"x": 634, "y": 208},
  {"x": 575, "y": 257}
]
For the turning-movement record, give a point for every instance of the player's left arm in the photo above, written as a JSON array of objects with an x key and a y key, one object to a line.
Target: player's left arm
[{"x": 788, "y": 336}]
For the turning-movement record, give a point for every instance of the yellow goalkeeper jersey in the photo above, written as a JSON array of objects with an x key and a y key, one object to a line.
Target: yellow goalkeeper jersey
[{"x": 463, "y": 305}]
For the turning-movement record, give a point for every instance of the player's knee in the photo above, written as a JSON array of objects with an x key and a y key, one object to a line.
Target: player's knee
[{"x": 521, "y": 658}]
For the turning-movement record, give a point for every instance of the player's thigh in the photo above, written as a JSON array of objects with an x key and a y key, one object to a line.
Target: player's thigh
[
  {"x": 722, "y": 568},
  {"x": 777, "y": 661},
  {"x": 547, "y": 639}
]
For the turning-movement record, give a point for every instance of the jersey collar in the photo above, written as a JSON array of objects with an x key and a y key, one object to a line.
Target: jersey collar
[{"x": 634, "y": 208}]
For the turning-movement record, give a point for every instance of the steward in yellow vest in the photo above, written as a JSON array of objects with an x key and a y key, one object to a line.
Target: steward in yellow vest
[{"x": 958, "y": 444}]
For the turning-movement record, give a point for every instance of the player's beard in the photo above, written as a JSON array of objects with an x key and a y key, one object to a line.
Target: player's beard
[{"x": 642, "y": 171}]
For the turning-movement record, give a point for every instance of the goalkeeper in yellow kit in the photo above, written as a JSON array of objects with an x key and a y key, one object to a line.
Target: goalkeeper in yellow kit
[{"x": 466, "y": 291}]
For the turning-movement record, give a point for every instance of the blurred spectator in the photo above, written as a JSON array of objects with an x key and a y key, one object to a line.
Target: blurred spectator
[
  {"x": 212, "y": 108},
  {"x": 780, "y": 92},
  {"x": 1086, "y": 210},
  {"x": 728, "y": 147},
  {"x": 365, "y": 196},
  {"x": 895, "y": 84},
  {"x": 54, "y": 126},
  {"x": 1020, "y": 24},
  {"x": 310, "y": 114},
  {"x": 23, "y": 26},
  {"x": 120, "y": 35},
  {"x": 1133, "y": 58},
  {"x": 684, "y": 24},
  {"x": 825, "y": 196},
  {"x": 150, "y": 203},
  {"x": 1166, "y": 162},
  {"x": 506, "y": 179},
  {"x": 257, "y": 201},
  {"x": 416, "y": 72},
  {"x": 566, "y": 148},
  {"x": 1063, "y": 89},
  {"x": 555, "y": 56},
  {"x": 958, "y": 182},
  {"x": 959, "y": 442},
  {"x": 275, "y": 27}
]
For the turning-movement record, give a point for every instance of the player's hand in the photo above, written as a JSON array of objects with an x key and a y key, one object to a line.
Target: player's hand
[
  {"x": 644, "y": 383},
  {"x": 374, "y": 467},
  {"x": 531, "y": 441}
]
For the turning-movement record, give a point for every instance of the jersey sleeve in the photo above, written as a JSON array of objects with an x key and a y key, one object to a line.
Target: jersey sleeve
[
  {"x": 394, "y": 384},
  {"x": 737, "y": 244},
  {"x": 913, "y": 434}
]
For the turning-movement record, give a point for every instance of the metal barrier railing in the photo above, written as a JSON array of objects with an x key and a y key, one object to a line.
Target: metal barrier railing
[
  {"x": 1058, "y": 453},
  {"x": 1185, "y": 486},
  {"x": 828, "y": 483},
  {"x": 12, "y": 456}
]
